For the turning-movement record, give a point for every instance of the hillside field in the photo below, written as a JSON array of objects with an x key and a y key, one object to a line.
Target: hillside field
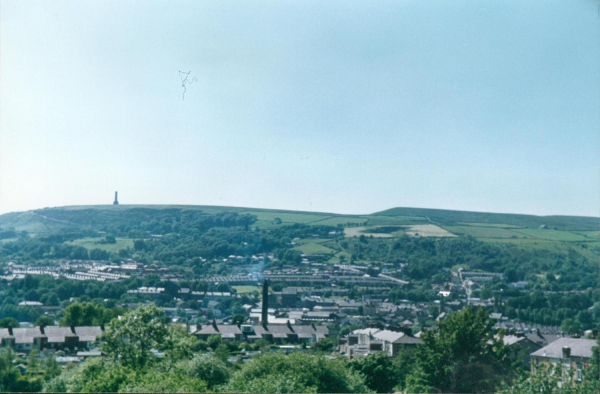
[
  {"x": 93, "y": 243},
  {"x": 527, "y": 231}
]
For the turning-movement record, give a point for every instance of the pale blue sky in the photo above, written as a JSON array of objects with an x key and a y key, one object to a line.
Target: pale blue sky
[{"x": 338, "y": 106}]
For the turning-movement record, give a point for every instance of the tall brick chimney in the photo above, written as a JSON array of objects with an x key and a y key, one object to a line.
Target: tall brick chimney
[{"x": 265, "y": 303}]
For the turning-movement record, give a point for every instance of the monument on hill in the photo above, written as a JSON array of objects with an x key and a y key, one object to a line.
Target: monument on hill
[{"x": 116, "y": 202}]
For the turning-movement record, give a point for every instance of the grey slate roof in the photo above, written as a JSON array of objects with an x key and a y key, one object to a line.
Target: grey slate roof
[
  {"x": 57, "y": 334},
  {"x": 279, "y": 331},
  {"x": 26, "y": 335},
  {"x": 276, "y": 330},
  {"x": 579, "y": 348},
  {"x": 224, "y": 330},
  {"x": 307, "y": 331},
  {"x": 542, "y": 339},
  {"x": 388, "y": 336},
  {"x": 4, "y": 333},
  {"x": 54, "y": 334},
  {"x": 88, "y": 333}
]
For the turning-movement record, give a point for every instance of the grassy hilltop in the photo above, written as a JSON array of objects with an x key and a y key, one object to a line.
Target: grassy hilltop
[{"x": 548, "y": 232}]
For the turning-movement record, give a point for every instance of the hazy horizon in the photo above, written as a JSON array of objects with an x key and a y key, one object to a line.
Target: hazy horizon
[{"x": 335, "y": 107}]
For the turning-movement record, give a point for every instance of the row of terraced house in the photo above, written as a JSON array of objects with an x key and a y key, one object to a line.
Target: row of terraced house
[
  {"x": 274, "y": 333},
  {"x": 50, "y": 338}
]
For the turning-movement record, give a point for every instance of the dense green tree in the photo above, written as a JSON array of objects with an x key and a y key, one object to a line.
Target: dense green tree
[
  {"x": 180, "y": 345},
  {"x": 238, "y": 319},
  {"x": 379, "y": 371},
  {"x": 281, "y": 383},
  {"x": 571, "y": 327},
  {"x": 9, "y": 322},
  {"x": 404, "y": 363},
  {"x": 33, "y": 362},
  {"x": 110, "y": 239},
  {"x": 222, "y": 352},
  {"x": 95, "y": 375},
  {"x": 85, "y": 314},
  {"x": 324, "y": 345},
  {"x": 461, "y": 354},
  {"x": 164, "y": 382},
  {"x": 44, "y": 321},
  {"x": 208, "y": 368},
  {"x": 130, "y": 340},
  {"x": 51, "y": 368},
  {"x": 50, "y": 299},
  {"x": 98, "y": 254},
  {"x": 214, "y": 341},
  {"x": 304, "y": 372},
  {"x": 139, "y": 245},
  {"x": 9, "y": 375}
]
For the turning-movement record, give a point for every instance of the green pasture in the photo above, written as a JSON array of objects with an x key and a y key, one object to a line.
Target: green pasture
[
  {"x": 310, "y": 240},
  {"x": 343, "y": 220},
  {"x": 522, "y": 241},
  {"x": 391, "y": 220},
  {"x": 336, "y": 258},
  {"x": 314, "y": 248},
  {"x": 92, "y": 243},
  {"x": 329, "y": 243},
  {"x": 593, "y": 235},
  {"x": 287, "y": 217},
  {"x": 246, "y": 289},
  {"x": 489, "y": 225},
  {"x": 543, "y": 244},
  {"x": 553, "y": 235},
  {"x": 484, "y": 232}
]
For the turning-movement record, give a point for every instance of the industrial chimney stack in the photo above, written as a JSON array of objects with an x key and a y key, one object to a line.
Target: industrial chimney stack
[{"x": 265, "y": 303}]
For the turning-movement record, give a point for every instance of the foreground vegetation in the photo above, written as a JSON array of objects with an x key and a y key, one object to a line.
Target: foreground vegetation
[{"x": 144, "y": 353}]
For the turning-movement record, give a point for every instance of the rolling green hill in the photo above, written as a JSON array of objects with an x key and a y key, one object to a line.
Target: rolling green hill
[
  {"x": 492, "y": 227},
  {"x": 441, "y": 216}
]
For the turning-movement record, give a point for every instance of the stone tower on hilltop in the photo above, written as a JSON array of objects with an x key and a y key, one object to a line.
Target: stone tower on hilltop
[{"x": 116, "y": 202}]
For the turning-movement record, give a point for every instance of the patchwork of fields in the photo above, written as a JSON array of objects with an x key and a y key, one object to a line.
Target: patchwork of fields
[{"x": 523, "y": 230}]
